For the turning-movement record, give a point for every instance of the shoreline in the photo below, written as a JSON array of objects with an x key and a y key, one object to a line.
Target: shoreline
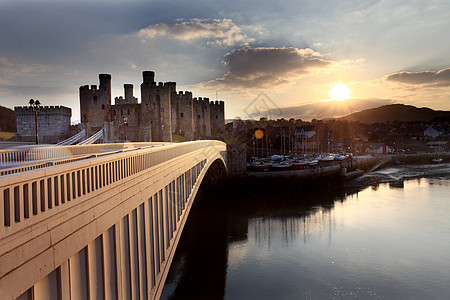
[{"x": 396, "y": 175}]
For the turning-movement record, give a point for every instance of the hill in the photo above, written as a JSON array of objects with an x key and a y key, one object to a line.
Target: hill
[
  {"x": 7, "y": 120},
  {"x": 396, "y": 112}
]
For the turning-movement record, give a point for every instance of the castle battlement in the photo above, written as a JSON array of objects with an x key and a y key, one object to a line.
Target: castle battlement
[
  {"x": 171, "y": 84},
  {"x": 92, "y": 88},
  {"x": 183, "y": 95},
  {"x": 217, "y": 103},
  {"x": 201, "y": 99},
  {"x": 44, "y": 109}
]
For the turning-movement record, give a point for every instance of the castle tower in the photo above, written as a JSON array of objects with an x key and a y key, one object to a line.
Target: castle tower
[
  {"x": 217, "y": 117},
  {"x": 149, "y": 77},
  {"x": 156, "y": 108},
  {"x": 165, "y": 90},
  {"x": 182, "y": 114},
  {"x": 128, "y": 91},
  {"x": 202, "y": 120},
  {"x": 95, "y": 103},
  {"x": 129, "y": 98},
  {"x": 149, "y": 108}
]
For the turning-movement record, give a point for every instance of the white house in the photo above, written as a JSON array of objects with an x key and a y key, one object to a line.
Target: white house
[
  {"x": 431, "y": 132},
  {"x": 379, "y": 148}
]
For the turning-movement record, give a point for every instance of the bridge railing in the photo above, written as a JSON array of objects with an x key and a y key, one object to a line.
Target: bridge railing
[
  {"x": 31, "y": 196},
  {"x": 93, "y": 138},
  {"x": 39, "y": 153},
  {"x": 73, "y": 139}
]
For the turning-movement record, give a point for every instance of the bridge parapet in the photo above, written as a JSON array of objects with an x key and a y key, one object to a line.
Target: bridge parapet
[
  {"x": 55, "y": 217},
  {"x": 32, "y": 153}
]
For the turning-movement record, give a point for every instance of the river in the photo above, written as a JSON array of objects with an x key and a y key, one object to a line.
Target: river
[{"x": 385, "y": 235}]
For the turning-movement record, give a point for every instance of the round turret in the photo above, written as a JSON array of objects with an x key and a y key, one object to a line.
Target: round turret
[{"x": 149, "y": 76}]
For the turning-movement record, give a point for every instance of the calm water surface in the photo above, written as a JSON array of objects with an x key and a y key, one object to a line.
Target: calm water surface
[{"x": 389, "y": 240}]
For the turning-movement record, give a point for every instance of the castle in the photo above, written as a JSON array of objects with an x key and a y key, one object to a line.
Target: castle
[{"x": 162, "y": 112}]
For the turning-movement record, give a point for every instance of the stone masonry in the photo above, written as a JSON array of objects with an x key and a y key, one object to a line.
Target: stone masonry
[{"x": 53, "y": 123}]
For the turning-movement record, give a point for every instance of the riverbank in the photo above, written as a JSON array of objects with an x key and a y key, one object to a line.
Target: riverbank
[
  {"x": 351, "y": 168},
  {"x": 372, "y": 172}
]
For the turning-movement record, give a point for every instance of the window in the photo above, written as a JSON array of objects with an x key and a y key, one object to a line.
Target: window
[
  {"x": 103, "y": 106},
  {"x": 198, "y": 117},
  {"x": 182, "y": 115},
  {"x": 217, "y": 117}
]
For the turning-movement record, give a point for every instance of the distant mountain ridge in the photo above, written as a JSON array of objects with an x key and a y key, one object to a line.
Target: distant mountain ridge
[
  {"x": 317, "y": 110},
  {"x": 393, "y": 112},
  {"x": 7, "y": 120}
]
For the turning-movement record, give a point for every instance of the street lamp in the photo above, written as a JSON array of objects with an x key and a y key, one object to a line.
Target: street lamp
[
  {"x": 125, "y": 124},
  {"x": 35, "y": 105}
]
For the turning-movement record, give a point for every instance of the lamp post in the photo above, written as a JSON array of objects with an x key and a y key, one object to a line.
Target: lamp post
[
  {"x": 125, "y": 124},
  {"x": 35, "y": 105}
]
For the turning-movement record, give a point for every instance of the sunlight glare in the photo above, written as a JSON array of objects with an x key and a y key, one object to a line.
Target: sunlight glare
[{"x": 339, "y": 92}]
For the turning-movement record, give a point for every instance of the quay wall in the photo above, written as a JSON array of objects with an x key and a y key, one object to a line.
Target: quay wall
[{"x": 422, "y": 158}]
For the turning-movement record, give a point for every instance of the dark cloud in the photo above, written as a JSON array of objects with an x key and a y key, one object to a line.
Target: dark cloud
[
  {"x": 428, "y": 78},
  {"x": 267, "y": 67}
]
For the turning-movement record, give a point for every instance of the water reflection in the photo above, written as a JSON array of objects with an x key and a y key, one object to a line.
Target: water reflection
[{"x": 265, "y": 241}]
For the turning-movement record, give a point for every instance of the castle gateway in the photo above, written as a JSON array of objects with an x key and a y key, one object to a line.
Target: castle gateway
[{"x": 162, "y": 112}]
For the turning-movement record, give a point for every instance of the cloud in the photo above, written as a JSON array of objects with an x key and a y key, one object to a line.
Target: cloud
[
  {"x": 267, "y": 67},
  {"x": 215, "y": 31},
  {"x": 8, "y": 68},
  {"x": 425, "y": 78}
]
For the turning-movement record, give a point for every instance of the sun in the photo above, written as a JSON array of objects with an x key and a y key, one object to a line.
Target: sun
[{"x": 339, "y": 92}]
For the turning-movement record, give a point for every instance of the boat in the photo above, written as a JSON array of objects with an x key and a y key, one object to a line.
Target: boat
[
  {"x": 299, "y": 164},
  {"x": 260, "y": 165},
  {"x": 340, "y": 157},
  {"x": 283, "y": 165},
  {"x": 328, "y": 158},
  {"x": 437, "y": 160},
  {"x": 314, "y": 162}
]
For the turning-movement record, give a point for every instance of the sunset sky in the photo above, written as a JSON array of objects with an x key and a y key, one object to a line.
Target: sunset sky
[{"x": 290, "y": 53}]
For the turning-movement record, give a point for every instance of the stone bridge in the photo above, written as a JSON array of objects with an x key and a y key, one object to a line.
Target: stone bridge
[{"x": 103, "y": 225}]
